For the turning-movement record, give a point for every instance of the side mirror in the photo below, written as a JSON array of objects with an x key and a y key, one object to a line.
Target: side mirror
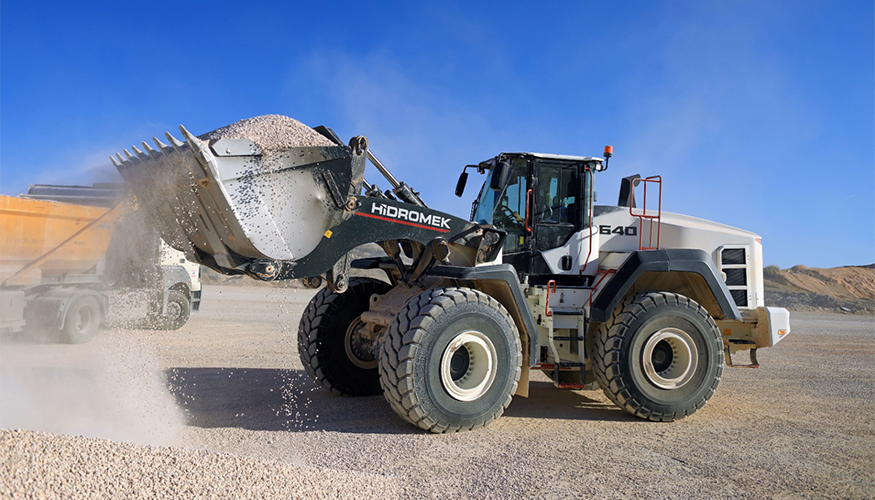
[
  {"x": 500, "y": 174},
  {"x": 460, "y": 186}
]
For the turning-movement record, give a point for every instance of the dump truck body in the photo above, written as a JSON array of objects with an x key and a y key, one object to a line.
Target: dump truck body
[
  {"x": 62, "y": 271},
  {"x": 33, "y": 228}
]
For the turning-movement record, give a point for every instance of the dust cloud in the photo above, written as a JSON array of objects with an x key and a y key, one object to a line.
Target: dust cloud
[{"x": 111, "y": 388}]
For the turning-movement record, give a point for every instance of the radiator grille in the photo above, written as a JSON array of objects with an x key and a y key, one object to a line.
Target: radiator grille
[
  {"x": 733, "y": 256},
  {"x": 740, "y": 297},
  {"x": 736, "y": 277},
  {"x": 734, "y": 265}
]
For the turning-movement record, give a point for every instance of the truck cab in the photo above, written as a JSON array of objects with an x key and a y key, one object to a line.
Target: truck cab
[{"x": 544, "y": 203}]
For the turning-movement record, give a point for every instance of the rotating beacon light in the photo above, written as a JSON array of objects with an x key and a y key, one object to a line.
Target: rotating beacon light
[{"x": 609, "y": 152}]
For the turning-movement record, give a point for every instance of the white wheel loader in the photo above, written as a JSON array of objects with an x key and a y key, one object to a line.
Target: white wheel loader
[{"x": 646, "y": 305}]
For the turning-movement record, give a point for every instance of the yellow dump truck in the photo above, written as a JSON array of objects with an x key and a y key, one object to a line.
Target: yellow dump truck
[{"x": 67, "y": 268}]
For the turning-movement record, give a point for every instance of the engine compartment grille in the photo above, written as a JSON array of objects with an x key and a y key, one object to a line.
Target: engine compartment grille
[{"x": 734, "y": 265}]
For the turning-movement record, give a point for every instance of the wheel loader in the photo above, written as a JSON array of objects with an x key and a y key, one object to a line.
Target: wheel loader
[{"x": 647, "y": 305}]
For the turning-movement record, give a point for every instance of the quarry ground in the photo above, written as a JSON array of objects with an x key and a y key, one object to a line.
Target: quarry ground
[{"x": 223, "y": 408}]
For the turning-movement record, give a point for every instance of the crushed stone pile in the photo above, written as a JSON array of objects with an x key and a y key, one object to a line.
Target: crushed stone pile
[
  {"x": 41, "y": 465},
  {"x": 270, "y": 132}
]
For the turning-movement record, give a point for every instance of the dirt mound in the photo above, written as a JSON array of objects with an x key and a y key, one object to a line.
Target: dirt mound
[{"x": 848, "y": 288}]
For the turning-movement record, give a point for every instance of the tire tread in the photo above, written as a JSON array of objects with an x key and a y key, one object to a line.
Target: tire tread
[
  {"x": 607, "y": 354},
  {"x": 404, "y": 338},
  {"x": 322, "y": 305}
]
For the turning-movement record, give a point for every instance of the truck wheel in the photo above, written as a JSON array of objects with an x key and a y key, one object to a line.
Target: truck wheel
[
  {"x": 451, "y": 360},
  {"x": 659, "y": 357},
  {"x": 331, "y": 345},
  {"x": 178, "y": 311},
  {"x": 81, "y": 321}
]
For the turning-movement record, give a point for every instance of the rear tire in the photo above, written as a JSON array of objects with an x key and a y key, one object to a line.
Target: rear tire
[
  {"x": 451, "y": 360},
  {"x": 659, "y": 357},
  {"x": 177, "y": 312},
  {"x": 81, "y": 321},
  {"x": 331, "y": 350}
]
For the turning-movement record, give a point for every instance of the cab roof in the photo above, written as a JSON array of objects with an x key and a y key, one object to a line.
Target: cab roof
[{"x": 549, "y": 156}]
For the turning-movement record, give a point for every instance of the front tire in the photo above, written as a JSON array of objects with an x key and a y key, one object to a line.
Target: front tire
[
  {"x": 330, "y": 345},
  {"x": 659, "y": 357},
  {"x": 451, "y": 360}
]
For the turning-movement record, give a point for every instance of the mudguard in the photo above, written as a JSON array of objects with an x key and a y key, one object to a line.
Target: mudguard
[
  {"x": 667, "y": 260},
  {"x": 504, "y": 274}
]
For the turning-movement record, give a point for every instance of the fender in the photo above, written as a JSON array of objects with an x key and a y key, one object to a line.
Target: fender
[
  {"x": 668, "y": 260},
  {"x": 503, "y": 274}
]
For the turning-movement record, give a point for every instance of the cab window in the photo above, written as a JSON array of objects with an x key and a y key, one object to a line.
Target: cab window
[
  {"x": 558, "y": 189},
  {"x": 510, "y": 210}
]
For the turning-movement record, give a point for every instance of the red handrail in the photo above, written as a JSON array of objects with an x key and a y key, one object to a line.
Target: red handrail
[
  {"x": 547, "y": 311},
  {"x": 656, "y": 179}
]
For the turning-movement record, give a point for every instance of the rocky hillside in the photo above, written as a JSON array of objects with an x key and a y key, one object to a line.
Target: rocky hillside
[{"x": 800, "y": 288}]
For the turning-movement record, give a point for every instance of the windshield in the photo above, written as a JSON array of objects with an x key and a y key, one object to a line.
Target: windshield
[
  {"x": 482, "y": 210},
  {"x": 496, "y": 207},
  {"x": 505, "y": 209}
]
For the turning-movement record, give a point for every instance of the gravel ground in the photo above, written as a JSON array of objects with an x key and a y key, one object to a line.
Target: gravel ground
[{"x": 223, "y": 408}]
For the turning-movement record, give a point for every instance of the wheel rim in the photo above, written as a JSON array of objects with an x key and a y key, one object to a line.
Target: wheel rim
[
  {"x": 670, "y": 357},
  {"x": 174, "y": 310},
  {"x": 468, "y": 366},
  {"x": 84, "y": 317},
  {"x": 359, "y": 349}
]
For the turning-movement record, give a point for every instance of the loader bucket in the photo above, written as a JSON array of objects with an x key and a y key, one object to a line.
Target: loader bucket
[{"x": 228, "y": 203}]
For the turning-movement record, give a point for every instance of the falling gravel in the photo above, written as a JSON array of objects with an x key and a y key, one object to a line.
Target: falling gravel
[{"x": 270, "y": 132}]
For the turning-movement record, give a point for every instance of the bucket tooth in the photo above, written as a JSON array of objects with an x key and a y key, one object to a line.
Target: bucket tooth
[
  {"x": 119, "y": 157},
  {"x": 191, "y": 139},
  {"x": 198, "y": 147},
  {"x": 129, "y": 155},
  {"x": 114, "y": 161},
  {"x": 152, "y": 152},
  {"x": 141, "y": 155},
  {"x": 173, "y": 141},
  {"x": 160, "y": 144}
]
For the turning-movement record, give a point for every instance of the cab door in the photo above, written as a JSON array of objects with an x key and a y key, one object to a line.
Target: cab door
[
  {"x": 511, "y": 214},
  {"x": 556, "y": 214}
]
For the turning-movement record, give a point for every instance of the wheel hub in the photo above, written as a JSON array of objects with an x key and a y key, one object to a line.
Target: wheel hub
[
  {"x": 360, "y": 348},
  {"x": 83, "y": 319},
  {"x": 670, "y": 358},
  {"x": 468, "y": 366},
  {"x": 459, "y": 364},
  {"x": 174, "y": 310}
]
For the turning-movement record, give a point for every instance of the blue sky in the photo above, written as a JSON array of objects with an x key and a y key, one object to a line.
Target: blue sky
[{"x": 757, "y": 114}]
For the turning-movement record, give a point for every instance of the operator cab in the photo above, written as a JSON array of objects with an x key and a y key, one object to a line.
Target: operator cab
[{"x": 543, "y": 201}]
